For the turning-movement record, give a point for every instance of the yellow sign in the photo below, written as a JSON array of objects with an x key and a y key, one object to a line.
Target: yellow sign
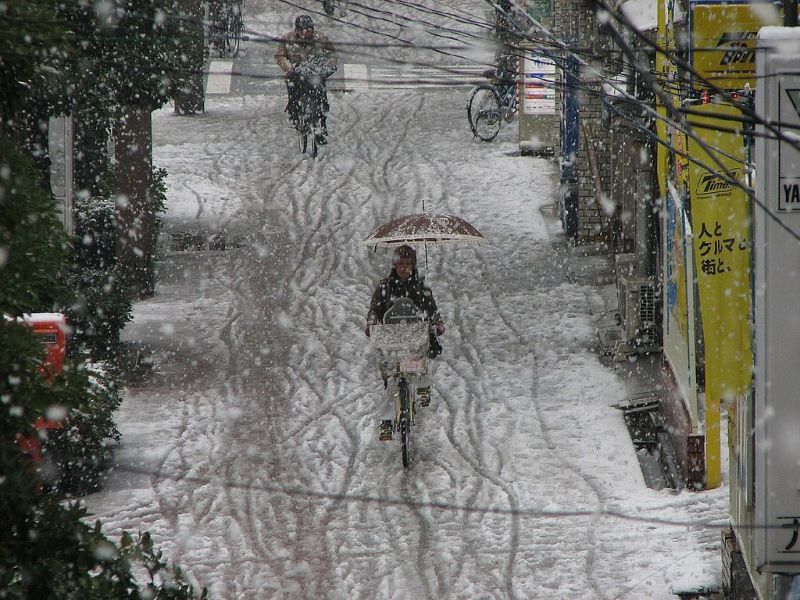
[
  {"x": 723, "y": 38},
  {"x": 721, "y": 224}
]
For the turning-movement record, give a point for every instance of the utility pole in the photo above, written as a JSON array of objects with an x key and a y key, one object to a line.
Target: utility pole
[
  {"x": 136, "y": 243},
  {"x": 790, "y": 13}
]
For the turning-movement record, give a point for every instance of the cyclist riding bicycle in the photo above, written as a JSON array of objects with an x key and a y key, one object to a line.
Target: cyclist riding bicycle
[
  {"x": 405, "y": 282},
  {"x": 295, "y": 49}
]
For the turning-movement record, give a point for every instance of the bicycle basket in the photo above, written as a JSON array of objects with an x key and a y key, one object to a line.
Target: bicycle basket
[
  {"x": 315, "y": 68},
  {"x": 399, "y": 343}
]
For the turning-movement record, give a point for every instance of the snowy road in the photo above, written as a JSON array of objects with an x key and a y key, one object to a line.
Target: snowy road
[{"x": 252, "y": 451}]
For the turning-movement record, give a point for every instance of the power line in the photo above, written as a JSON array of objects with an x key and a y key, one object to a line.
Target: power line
[{"x": 533, "y": 513}]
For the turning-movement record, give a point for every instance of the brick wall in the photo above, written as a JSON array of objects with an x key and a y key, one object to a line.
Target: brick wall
[{"x": 574, "y": 22}]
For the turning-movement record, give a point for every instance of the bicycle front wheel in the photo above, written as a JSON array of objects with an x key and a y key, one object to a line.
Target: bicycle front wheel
[
  {"x": 405, "y": 423},
  {"x": 302, "y": 137},
  {"x": 313, "y": 149},
  {"x": 483, "y": 112}
]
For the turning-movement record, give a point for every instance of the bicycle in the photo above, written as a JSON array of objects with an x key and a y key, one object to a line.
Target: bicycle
[
  {"x": 226, "y": 25},
  {"x": 401, "y": 344},
  {"x": 330, "y": 5},
  {"x": 489, "y": 105},
  {"x": 309, "y": 116}
]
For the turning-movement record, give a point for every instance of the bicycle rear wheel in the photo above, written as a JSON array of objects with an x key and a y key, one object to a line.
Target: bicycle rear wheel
[
  {"x": 405, "y": 423},
  {"x": 303, "y": 131},
  {"x": 313, "y": 149},
  {"x": 483, "y": 112}
]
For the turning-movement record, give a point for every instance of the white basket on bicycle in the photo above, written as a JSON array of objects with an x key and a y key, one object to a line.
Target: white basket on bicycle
[{"x": 401, "y": 348}]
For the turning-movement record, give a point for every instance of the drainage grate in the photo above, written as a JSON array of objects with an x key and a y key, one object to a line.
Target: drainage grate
[{"x": 650, "y": 440}]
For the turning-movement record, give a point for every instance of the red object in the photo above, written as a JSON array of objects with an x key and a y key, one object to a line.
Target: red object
[
  {"x": 51, "y": 330},
  {"x": 706, "y": 97}
]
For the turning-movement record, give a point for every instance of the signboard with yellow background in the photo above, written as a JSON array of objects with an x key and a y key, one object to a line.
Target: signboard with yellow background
[
  {"x": 721, "y": 227},
  {"x": 723, "y": 40}
]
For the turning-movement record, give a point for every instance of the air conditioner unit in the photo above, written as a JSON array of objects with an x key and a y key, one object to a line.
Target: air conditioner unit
[{"x": 636, "y": 298}]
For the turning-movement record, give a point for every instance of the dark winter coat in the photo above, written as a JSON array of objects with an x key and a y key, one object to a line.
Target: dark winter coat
[
  {"x": 293, "y": 50},
  {"x": 414, "y": 288}
]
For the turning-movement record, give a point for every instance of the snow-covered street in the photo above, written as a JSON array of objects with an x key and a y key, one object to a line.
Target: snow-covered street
[{"x": 251, "y": 451}]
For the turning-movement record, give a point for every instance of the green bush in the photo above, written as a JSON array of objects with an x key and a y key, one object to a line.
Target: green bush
[
  {"x": 47, "y": 550},
  {"x": 102, "y": 306},
  {"x": 78, "y": 454},
  {"x": 33, "y": 245}
]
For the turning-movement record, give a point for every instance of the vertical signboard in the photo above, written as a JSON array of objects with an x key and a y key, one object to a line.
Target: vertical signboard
[
  {"x": 777, "y": 284},
  {"x": 722, "y": 240},
  {"x": 539, "y": 90},
  {"x": 60, "y": 148},
  {"x": 538, "y": 115}
]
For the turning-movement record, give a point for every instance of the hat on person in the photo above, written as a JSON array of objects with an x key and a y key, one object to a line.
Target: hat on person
[{"x": 303, "y": 22}]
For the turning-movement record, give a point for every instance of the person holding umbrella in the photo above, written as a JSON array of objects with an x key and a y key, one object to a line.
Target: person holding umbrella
[{"x": 405, "y": 282}]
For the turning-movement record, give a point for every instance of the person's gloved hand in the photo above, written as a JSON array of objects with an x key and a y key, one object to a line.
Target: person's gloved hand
[
  {"x": 439, "y": 328},
  {"x": 366, "y": 331}
]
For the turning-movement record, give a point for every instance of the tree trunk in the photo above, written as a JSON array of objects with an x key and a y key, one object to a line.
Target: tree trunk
[
  {"x": 136, "y": 232},
  {"x": 91, "y": 151},
  {"x": 189, "y": 99}
]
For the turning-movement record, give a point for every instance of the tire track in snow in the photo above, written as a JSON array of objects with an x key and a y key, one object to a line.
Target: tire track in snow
[
  {"x": 471, "y": 409},
  {"x": 547, "y": 432},
  {"x": 300, "y": 212}
]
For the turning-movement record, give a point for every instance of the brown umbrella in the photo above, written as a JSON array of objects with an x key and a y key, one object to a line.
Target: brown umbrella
[{"x": 427, "y": 228}]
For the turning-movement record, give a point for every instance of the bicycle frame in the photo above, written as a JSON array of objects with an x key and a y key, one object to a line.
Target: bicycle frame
[
  {"x": 508, "y": 97},
  {"x": 309, "y": 121},
  {"x": 402, "y": 348}
]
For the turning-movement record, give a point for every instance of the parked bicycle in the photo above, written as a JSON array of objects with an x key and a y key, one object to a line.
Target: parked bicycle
[
  {"x": 330, "y": 7},
  {"x": 492, "y": 103},
  {"x": 225, "y": 26}
]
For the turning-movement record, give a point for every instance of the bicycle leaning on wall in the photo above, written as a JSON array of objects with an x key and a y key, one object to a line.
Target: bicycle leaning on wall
[{"x": 492, "y": 103}]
